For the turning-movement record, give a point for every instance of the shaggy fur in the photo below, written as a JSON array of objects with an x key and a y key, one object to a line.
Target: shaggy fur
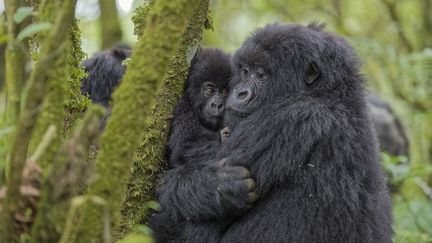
[
  {"x": 104, "y": 72},
  {"x": 299, "y": 123},
  {"x": 315, "y": 161},
  {"x": 192, "y": 136}
]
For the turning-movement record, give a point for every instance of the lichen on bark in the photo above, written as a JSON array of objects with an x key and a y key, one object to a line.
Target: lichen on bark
[
  {"x": 133, "y": 101},
  {"x": 149, "y": 158}
]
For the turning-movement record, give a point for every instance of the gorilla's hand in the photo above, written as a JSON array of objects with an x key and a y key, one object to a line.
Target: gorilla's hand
[
  {"x": 235, "y": 187},
  {"x": 213, "y": 190}
]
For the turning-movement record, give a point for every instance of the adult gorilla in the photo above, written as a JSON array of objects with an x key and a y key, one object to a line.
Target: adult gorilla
[{"x": 300, "y": 124}]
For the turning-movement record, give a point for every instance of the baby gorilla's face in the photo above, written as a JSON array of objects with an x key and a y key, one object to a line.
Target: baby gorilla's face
[{"x": 213, "y": 103}]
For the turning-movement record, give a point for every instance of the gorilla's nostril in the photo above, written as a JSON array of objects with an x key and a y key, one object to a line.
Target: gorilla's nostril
[
  {"x": 243, "y": 94},
  {"x": 220, "y": 106}
]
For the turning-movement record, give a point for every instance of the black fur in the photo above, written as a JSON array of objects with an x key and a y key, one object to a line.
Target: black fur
[
  {"x": 193, "y": 139},
  {"x": 300, "y": 125},
  {"x": 104, "y": 72},
  {"x": 308, "y": 143}
]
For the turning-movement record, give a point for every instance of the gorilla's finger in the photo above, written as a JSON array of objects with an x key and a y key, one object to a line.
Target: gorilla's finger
[
  {"x": 220, "y": 163},
  {"x": 250, "y": 183},
  {"x": 252, "y": 197},
  {"x": 240, "y": 172}
]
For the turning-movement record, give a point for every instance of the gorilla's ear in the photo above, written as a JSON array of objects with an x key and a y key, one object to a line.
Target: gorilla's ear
[{"x": 313, "y": 73}]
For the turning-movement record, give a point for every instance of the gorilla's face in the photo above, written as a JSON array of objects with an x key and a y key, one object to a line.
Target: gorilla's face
[
  {"x": 274, "y": 63},
  {"x": 212, "y": 103},
  {"x": 207, "y": 86}
]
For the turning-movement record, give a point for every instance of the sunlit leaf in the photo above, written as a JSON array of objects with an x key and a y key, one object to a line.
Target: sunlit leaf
[
  {"x": 33, "y": 29},
  {"x": 21, "y": 14}
]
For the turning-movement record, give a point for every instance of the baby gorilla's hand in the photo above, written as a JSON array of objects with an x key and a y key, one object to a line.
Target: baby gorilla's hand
[
  {"x": 235, "y": 186},
  {"x": 224, "y": 134}
]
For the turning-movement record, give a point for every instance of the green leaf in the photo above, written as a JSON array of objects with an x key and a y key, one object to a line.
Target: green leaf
[
  {"x": 21, "y": 14},
  {"x": 33, "y": 29}
]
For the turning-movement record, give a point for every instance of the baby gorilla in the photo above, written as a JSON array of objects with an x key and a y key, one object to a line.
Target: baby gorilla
[
  {"x": 199, "y": 114},
  {"x": 194, "y": 132}
]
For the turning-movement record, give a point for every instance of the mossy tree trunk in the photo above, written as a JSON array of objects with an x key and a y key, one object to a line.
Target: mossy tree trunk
[
  {"x": 15, "y": 57},
  {"x": 111, "y": 32},
  {"x": 150, "y": 156},
  {"x": 38, "y": 83},
  {"x": 63, "y": 99},
  {"x": 65, "y": 177},
  {"x": 133, "y": 101}
]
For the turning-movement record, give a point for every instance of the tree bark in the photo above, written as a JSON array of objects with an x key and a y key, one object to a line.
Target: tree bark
[
  {"x": 133, "y": 101},
  {"x": 15, "y": 58},
  {"x": 37, "y": 88},
  {"x": 65, "y": 176},
  {"x": 111, "y": 32},
  {"x": 150, "y": 155}
]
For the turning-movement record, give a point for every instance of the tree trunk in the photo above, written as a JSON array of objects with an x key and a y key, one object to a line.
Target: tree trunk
[
  {"x": 111, "y": 32},
  {"x": 37, "y": 88},
  {"x": 15, "y": 58},
  {"x": 150, "y": 156},
  {"x": 133, "y": 101},
  {"x": 66, "y": 174}
]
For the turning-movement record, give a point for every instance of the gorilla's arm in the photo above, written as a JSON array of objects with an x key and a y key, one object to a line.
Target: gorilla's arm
[
  {"x": 197, "y": 191},
  {"x": 279, "y": 146}
]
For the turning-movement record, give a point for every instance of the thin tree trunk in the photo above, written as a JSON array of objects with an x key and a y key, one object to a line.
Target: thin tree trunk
[
  {"x": 37, "y": 88},
  {"x": 63, "y": 100},
  {"x": 150, "y": 155},
  {"x": 15, "y": 62},
  {"x": 111, "y": 32},
  {"x": 133, "y": 101},
  {"x": 66, "y": 174}
]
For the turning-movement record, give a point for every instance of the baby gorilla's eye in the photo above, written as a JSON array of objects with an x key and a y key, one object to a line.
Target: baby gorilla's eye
[
  {"x": 244, "y": 71},
  {"x": 225, "y": 92},
  {"x": 208, "y": 92},
  {"x": 260, "y": 73}
]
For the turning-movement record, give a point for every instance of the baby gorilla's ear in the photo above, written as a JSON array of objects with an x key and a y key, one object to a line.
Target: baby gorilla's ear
[{"x": 312, "y": 73}]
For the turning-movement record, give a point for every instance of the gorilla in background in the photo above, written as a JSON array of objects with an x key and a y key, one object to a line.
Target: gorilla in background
[
  {"x": 104, "y": 72},
  {"x": 391, "y": 135},
  {"x": 299, "y": 123},
  {"x": 194, "y": 133}
]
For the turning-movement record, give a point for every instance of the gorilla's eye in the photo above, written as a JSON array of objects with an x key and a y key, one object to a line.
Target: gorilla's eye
[
  {"x": 208, "y": 92},
  {"x": 244, "y": 71},
  {"x": 260, "y": 73},
  {"x": 225, "y": 92}
]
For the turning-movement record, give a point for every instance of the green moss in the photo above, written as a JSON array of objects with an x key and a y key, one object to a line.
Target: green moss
[
  {"x": 133, "y": 101},
  {"x": 74, "y": 102},
  {"x": 138, "y": 18},
  {"x": 150, "y": 156}
]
